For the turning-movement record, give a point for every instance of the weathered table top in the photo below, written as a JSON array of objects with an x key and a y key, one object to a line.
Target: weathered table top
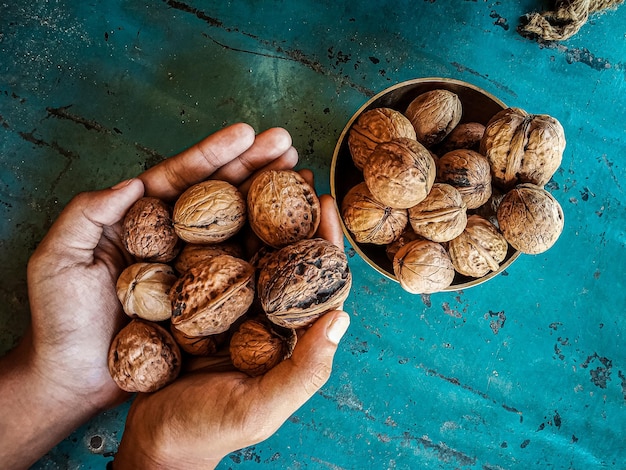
[{"x": 525, "y": 371}]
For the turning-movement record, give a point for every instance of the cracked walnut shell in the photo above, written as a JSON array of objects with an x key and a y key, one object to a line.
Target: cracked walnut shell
[
  {"x": 282, "y": 207},
  {"x": 434, "y": 114},
  {"x": 257, "y": 346},
  {"x": 423, "y": 267},
  {"x": 530, "y": 218},
  {"x": 209, "y": 212},
  {"x": 210, "y": 296},
  {"x": 143, "y": 290},
  {"x": 440, "y": 217},
  {"x": 370, "y": 221},
  {"x": 302, "y": 281},
  {"x": 374, "y": 127},
  {"x": 148, "y": 232},
  {"x": 143, "y": 357}
]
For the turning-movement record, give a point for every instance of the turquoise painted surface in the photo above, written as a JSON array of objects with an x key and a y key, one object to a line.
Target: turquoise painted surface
[{"x": 526, "y": 371}]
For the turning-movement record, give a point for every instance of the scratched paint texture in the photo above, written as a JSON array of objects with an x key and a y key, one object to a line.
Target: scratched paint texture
[{"x": 526, "y": 371}]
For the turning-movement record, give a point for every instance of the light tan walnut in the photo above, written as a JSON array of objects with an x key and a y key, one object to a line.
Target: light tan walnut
[
  {"x": 434, "y": 114},
  {"x": 148, "y": 232},
  {"x": 209, "y": 297},
  {"x": 370, "y": 221},
  {"x": 530, "y": 218},
  {"x": 257, "y": 346},
  {"x": 374, "y": 127},
  {"x": 143, "y": 290},
  {"x": 522, "y": 147},
  {"x": 302, "y": 281},
  {"x": 423, "y": 267},
  {"x": 282, "y": 207},
  {"x": 209, "y": 212},
  {"x": 479, "y": 249},
  {"x": 143, "y": 357},
  {"x": 193, "y": 253},
  {"x": 400, "y": 173},
  {"x": 469, "y": 173},
  {"x": 441, "y": 216}
]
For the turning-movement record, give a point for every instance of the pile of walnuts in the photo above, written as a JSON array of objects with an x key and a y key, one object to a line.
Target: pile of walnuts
[
  {"x": 447, "y": 197},
  {"x": 199, "y": 287}
]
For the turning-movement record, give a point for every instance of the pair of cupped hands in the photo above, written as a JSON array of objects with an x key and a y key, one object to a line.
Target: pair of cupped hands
[{"x": 58, "y": 374}]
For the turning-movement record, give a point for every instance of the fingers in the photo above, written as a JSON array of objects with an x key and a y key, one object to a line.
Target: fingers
[
  {"x": 291, "y": 383},
  {"x": 330, "y": 226}
]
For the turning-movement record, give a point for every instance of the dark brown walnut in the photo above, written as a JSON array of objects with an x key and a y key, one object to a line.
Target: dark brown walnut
[
  {"x": 400, "y": 173},
  {"x": 193, "y": 253},
  {"x": 441, "y": 216},
  {"x": 257, "y": 346},
  {"x": 143, "y": 290},
  {"x": 469, "y": 173},
  {"x": 199, "y": 345},
  {"x": 148, "y": 232},
  {"x": 374, "y": 127},
  {"x": 211, "y": 296},
  {"x": 405, "y": 237},
  {"x": 143, "y": 357},
  {"x": 479, "y": 249},
  {"x": 434, "y": 114},
  {"x": 209, "y": 212},
  {"x": 282, "y": 207},
  {"x": 370, "y": 221},
  {"x": 423, "y": 267},
  {"x": 522, "y": 147},
  {"x": 466, "y": 135},
  {"x": 301, "y": 282},
  {"x": 530, "y": 218}
]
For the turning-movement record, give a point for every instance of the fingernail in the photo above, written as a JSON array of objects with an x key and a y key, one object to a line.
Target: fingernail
[
  {"x": 337, "y": 327},
  {"x": 123, "y": 184}
]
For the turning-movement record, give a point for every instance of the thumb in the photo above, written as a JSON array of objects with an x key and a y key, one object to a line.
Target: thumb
[
  {"x": 292, "y": 382},
  {"x": 79, "y": 227}
]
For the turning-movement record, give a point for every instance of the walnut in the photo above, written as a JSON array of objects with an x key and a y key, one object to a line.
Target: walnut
[
  {"x": 423, "y": 267},
  {"x": 143, "y": 290},
  {"x": 199, "y": 345},
  {"x": 143, "y": 357},
  {"x": 434, "y": 114},
  {"x": 283, "y": 208},
  {"x": 522, "y": 147},
  {"x": 257, "y": 346},
  {"x": 441, "y": 216},
  {"x": 530, "y": 218},
  {"x": 479, "y": 249},
  {"x": 405, "y": 237},
  {"x": 374, "y": 127},
  {"x": 209, "y": 212},
  {"x": 469, "y": 173},
  {"x": 464, "y": 136},
  {"x": 147, "y": 231},
  {"x": 302, "y": 281},
  {"x": 370, "y": 221},
  {"x": 490, "y": 208},
  {"x": 400, "y": 173},
  {"x": 210, "y": 296},
  {"x": 193, "y": 253}
]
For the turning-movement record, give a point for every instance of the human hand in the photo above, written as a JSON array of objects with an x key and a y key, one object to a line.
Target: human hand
[
  {"x": 203, "y": 416},
  {"x": 59, "y": 371}
]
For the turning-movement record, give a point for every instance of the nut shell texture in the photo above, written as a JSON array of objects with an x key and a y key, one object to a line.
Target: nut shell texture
[
  {"x": 209, "y": 212},
  {"x": 440, "y": 217},
  {"x": 193, "y": 254},
  {"x": 143, "y": 290},
  {"x": 479, "y": 249},
  {"x": 523, "y": 148},
  {"x": 370, "y": 221},
  {"x": 300, "y": 282},
  {"x": 469, "y": 173},
  {"x": 208, "y": 298},
  {"x": 423, "y": 267},
  {"x": 148, "y": 232},
  {"x": 374, "y": 127},
  {"x": 530, "y": 218},
  {"x": 143, "y": 357},
  {"x": 400, "y": 173},
  {"x": 283, "y": 207},
  {"x": 434, "y": 114}
]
